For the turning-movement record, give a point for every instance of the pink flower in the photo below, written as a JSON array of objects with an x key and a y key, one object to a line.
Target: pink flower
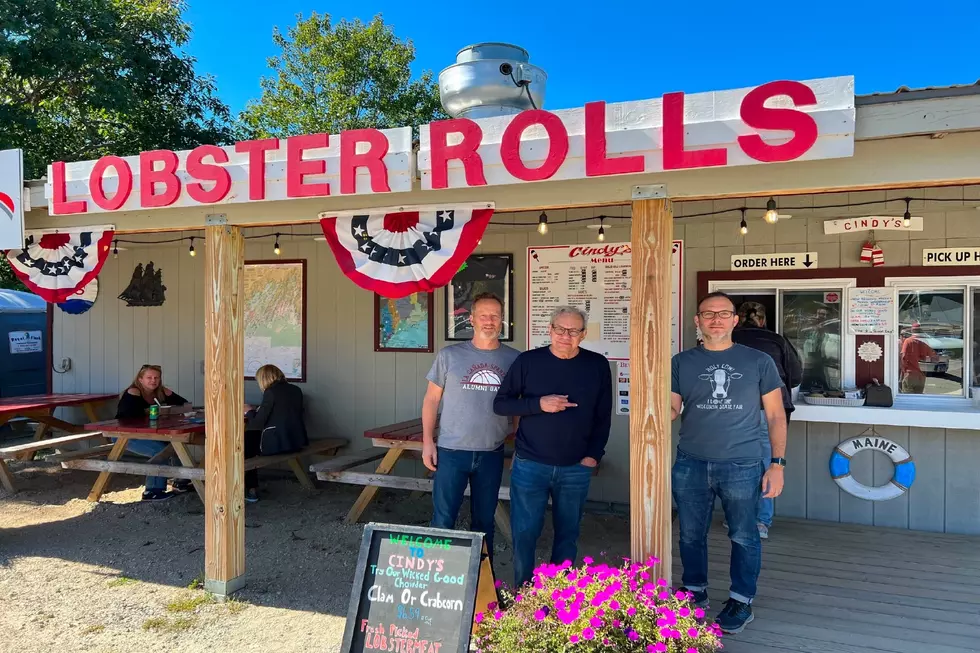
[
  {"x": 498, "y": 615},
  {"x": 698, "y": 613},
  {"x": 595, "y": 622},
  {"x": 587, "y": 560},
  {"x": 617, "y": 623},
  {"x": 518, "y": 598},
  {"x": 614, "y": 605},
  {"x": 663, "y": 596},
  {"x": 588, "y": 633},
  {"x": 573, "y": 639},
  {"x": 633, "y": 635},
  {"x": 662, "y": 582},
  {"x": 540, "y": 614},
  {"x": 631, "y": 611},
  {"x": 498, "y": 584},
  {"x": 692, "y": 633},
  {"x": 492, "y": 605},
  {"x": 684, "y": 612},
  {"x": 692, "y": 650},
  {"x": 478, "y": 618}
]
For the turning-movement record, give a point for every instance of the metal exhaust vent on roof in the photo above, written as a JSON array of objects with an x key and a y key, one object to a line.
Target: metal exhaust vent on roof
[{"x": 491, "y": 79}]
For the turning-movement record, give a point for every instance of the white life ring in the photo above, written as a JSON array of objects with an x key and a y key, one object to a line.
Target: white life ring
[{"x": 901, "y": 481}]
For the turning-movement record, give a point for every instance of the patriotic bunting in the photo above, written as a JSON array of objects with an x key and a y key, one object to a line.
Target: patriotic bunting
[
  {"x": 55, "y": 265},
  {"x": 397, "y": 252}
]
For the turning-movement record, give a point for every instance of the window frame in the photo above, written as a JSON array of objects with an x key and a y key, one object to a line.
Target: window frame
[
  {"x": 848, "y": 351},
  {"x": 968, "y": 285}
]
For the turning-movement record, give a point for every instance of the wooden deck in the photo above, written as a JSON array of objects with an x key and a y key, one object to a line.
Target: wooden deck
[{"x": 837, "y": 588}]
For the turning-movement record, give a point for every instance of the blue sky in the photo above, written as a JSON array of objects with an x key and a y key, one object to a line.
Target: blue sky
[{"x": 630, "y": 51}]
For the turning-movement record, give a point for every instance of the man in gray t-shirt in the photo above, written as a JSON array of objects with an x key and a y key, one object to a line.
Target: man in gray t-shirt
[{"x": 470, "y": 448}]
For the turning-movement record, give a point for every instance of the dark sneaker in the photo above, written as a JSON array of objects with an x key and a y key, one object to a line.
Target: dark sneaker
[
  {"x": 157, "y": 495},
  {"x": 734, "y": 617},
  {"x": 698, "y": 598},
  {"x": 252, "y": 496},
  {"x": 181, "y": 486}
]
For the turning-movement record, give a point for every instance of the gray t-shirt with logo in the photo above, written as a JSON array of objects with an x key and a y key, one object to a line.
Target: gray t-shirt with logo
[
  {"x": 722, "y": 395},
  {"x": 469, "y": 378}
]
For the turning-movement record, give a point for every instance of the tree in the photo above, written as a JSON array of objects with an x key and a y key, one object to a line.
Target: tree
[
  {"x": 83, "y": 78},
  {"x": 331, "y": 77}
]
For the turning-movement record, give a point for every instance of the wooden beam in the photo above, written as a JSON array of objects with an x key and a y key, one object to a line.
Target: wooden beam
[
  {"x": 650, "y": 331},
  {"x": 138, "y": 469},
  {"x": 50, "y": 443},
  {"x": 224, "y": 396}
]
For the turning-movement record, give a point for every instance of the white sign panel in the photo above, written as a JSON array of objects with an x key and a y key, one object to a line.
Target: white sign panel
[
  {"x": 798, "y": 261},
  {"x": 357, "y": 162},
  {"x": 622, "y": 387},
  {"x": 951, "y": 256},
  {"x": 25, "y": 342},
  {"x": 871, "y": 223},
  {"x": 11, "y": 199},
  {"x": 675, "y": 132},
  {"x": 598, "y": 279},
  {"x": 871, "y": 311}
]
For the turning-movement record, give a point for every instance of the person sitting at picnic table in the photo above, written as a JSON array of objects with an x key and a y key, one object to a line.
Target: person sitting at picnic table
[
  {"x": 146, "y": 390},
  {"x": 276, "y": 426}
]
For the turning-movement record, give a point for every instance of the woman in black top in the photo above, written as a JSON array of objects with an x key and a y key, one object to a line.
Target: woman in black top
[
  {"x": 145, "y": 390},
  {"x": 277, "y": 426}
]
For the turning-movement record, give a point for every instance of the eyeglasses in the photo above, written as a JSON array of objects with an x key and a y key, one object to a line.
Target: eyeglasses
[
  {"x": 147, "y": 366},
  {"x": 562, "y": 331},
  {"x": 710, "y": 315}
]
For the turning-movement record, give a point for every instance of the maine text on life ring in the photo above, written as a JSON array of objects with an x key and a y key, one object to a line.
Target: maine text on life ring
[{"x": 902, "y": 479}]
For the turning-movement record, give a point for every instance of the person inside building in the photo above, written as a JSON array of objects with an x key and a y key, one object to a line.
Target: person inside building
[
  {"x": 277, "y": 426},
  {"x": 717, "y": 389},
  {"x": 752, "y": 332},
  {"x": 146, "y": 390},
  {"x": 470, "y": 448},
  {"x": 563, "y": 395}
]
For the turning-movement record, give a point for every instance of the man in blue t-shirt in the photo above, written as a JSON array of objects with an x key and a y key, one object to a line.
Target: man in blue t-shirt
[{"x": 721, "y": 386}]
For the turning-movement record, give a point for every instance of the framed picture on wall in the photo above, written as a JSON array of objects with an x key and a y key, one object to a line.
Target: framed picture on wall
[
  {"x": 403, "y": 324},
  {"x": 493, "y": 273},
  {"x": 275, "y": 317}
]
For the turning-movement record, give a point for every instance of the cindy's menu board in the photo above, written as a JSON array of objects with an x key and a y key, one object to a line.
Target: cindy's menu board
[
  {"x": 414, "y": 590},
  {"x": 871, "y": 311},
  {"x": 596, "y": 278}
]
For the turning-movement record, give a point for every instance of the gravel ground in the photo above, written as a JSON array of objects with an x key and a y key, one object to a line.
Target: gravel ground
[{"x": 119, "y": 576}]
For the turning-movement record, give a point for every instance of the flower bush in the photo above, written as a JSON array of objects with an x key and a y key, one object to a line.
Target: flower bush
[{"x": 595, "y": 607}]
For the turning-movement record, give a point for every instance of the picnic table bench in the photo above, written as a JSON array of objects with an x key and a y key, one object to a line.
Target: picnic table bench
[{"x": 178, "y": 431}]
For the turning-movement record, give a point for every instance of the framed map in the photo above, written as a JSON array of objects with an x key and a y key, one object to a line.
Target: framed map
[
  {"x": 493, "y": 273},
  {"x": 275, "y": 317},
  {"x": 403, "y": 324}
]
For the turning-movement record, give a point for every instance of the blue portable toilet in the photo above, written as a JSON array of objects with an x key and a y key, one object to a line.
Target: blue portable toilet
[{"x": 24, "y": 345}]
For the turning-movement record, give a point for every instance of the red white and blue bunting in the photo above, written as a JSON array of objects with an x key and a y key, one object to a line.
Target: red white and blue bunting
[
  {"x": 395, "y": 252},
  {"x": 56, "y": 264}
]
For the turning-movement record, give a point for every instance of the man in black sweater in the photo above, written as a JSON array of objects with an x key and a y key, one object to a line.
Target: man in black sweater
[{"x": 563, "y": 395}]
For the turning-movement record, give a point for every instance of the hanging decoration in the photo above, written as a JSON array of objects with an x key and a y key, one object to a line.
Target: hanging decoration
[
  {"x": 145, "y": 287},
  {"x": 57, "y": 263},
  {"x": 82, "y": 300},
  {"x": 872, "y": 253},
  {"x": 397, "y": 252}
]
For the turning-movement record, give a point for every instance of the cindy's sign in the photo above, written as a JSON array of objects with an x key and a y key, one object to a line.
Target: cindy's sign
[
  {"x": 777, "y": 122},
  {"x": 871, "y": 223}
]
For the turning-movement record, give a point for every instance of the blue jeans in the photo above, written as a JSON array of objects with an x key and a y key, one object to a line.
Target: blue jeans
[
  {"x": 695, "y": 484},
  {"x": 482, "y": 470},
  {"x": 531, "y": 484},
  {"x": 150, "y": 448}
]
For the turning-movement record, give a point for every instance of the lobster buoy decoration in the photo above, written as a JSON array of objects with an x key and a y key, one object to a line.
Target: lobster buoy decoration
[{"x": 901, "y": 480}]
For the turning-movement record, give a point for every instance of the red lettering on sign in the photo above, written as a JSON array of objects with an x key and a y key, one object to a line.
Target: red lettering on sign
[
  {"x": 373, "y": 160},
  {"x": 256, "y": 164},
  {"x": 597, "y": 164},
  {"x": 150, "y": 176},
  {"x": 465, "y": 152},
  {"x": 208, "y": 172},
  {"x": 510, "y": 145},
  {"x": 125, "y": 187},
  {"x": 297, "y": 167},
  {"x": 61, "y": 204},
  {"x": 756, "y": 115},
  {"x": 675, "y": 156}
]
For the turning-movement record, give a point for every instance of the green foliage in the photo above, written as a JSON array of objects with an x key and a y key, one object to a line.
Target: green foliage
[
  {"x": 335, "y": 76},
  {"x": 83, "y": 78},
  {"x": 8, "y": 280}
]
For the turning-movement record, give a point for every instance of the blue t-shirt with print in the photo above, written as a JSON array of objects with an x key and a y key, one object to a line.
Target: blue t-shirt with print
[{"x": 722, "y": 395}]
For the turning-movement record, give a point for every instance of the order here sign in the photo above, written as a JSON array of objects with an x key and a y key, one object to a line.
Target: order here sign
[{"x": 797, "y": 261}]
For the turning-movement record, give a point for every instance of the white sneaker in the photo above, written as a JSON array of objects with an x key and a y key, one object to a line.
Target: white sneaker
[{"x": 763, "y": 531}]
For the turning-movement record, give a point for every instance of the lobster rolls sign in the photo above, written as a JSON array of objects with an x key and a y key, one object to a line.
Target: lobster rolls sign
[
  {"x": 396, "y": 252},
  {"x": 777, "y": 122},
  {"x": 56, "y": 265}
]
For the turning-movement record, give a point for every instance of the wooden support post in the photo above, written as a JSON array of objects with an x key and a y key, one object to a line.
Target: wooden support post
[
  {"x": 224, "y": 396},
  {"x": 650, "y": 312}
]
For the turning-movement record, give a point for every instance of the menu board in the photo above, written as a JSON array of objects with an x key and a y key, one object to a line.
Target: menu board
[
  {"x": 871, "y": 311},
  {"x": 622, "y": 387},
  {"x": 415, "y": 590},
  {"x": 596, "y": 278}
]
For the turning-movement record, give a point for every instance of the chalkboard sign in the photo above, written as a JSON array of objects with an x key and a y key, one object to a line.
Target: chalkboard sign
[{"x": 415, "y": 590}]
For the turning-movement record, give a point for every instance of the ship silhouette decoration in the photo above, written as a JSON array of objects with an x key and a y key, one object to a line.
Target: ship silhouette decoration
[{"x": 145, "y": 288}]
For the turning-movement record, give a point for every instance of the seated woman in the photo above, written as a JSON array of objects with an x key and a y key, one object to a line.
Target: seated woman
[
  {"x": 277, "y": 426},
  {"x": 145, "y": 390}
]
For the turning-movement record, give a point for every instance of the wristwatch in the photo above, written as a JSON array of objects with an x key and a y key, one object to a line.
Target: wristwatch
[{"x": 778, "y": 461}]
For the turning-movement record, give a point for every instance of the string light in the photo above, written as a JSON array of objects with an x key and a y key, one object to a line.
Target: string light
[
  {"x": 543, "y": 223},
  {"x": 191, "y": 250},
  {"x": 275, "y": 247},
  {"x": 602, "y": 230},
  {"x": 115, "y": 249},
  {"x": 907, "y": 219},
  {"x": 771, "y": 216},
  {"x": 743, "y": 228}
]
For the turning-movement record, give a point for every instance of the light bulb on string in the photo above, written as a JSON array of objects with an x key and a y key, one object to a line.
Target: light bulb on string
[
  {"x": 275, "y": 248},
  {"x": 771, "y": 215},
  {"x": 543, "y": 223},
  {"x": 191, "y": 250},
  {"x": 907, "y": 218},
  {"x": 115, "y": 249},
  {"x": 743, "y": 227},
  {"x": 602, "y": 231}
]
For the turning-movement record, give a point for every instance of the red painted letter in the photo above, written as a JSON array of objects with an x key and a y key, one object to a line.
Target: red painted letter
[
  {"x": 123, "y": 190},
  {"x": 441, "y": 152},
  {"x": 756, "y": 115},
  {"x": 297, "y": 168},
  {"x": 256, "y": 164},
  {"x": 149, "y": 177},
  {"x": 61, "y": 204},
  {"x": 373, "y": 160},
  {"x": 675, "y": 157},
  {"x": 510, "y": 145},
  {"x": 596, "y": 162},
  {"x": 208, "y": 172}
]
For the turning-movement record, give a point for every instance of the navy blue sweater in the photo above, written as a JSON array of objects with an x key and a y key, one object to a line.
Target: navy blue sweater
[{"x": 566, "y": 437}]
